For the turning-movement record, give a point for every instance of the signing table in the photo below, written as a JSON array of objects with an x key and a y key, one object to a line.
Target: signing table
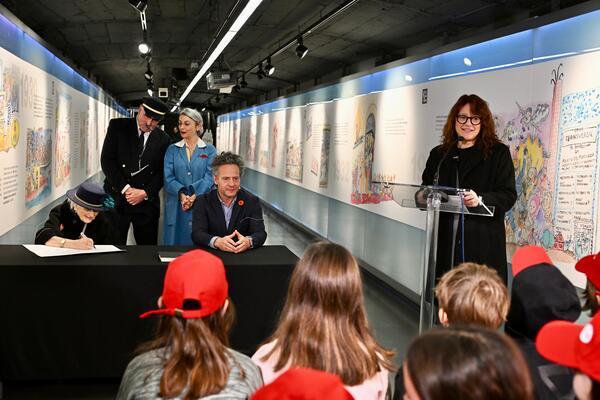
[{"x": 77, "y": 316}]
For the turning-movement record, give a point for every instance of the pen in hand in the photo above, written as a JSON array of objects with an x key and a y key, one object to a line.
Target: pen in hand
[{"x": 82, "y": 234}]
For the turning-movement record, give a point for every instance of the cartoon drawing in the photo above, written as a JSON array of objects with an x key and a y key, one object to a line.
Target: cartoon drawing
[{"x": 38, "y": 165}]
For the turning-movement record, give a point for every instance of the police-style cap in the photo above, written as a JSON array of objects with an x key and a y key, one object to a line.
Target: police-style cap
[{"x": 154, "y": 108}]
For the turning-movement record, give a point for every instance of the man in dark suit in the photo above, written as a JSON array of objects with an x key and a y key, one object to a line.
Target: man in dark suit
[
  {"x": 228, "y": 218},
  {"x": 132, "y": 161}
]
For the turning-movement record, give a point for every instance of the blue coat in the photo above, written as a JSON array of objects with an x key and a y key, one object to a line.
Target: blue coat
[{"x": 194, "y": 177}]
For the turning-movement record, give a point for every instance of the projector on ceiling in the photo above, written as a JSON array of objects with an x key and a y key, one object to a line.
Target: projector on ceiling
[{"x": 221, "y": 79}]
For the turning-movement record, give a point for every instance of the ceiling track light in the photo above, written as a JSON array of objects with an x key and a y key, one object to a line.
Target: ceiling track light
[
  {"x": 139, "y": 5},
  {"x": 269, "y": 68},
  {"x": 301, "y": 49},
  {"x": 260, "y": 73},
  {"x": 148, "y": 74},
  {"x": 144, "y": 48},
  {"x": 243, "y": 83}
]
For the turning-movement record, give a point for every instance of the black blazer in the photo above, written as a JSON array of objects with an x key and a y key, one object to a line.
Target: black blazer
[
  {"x": 493, "y": 178},
  {"x": 120, "y": 158},
  {"x": 209, "y": 220}
]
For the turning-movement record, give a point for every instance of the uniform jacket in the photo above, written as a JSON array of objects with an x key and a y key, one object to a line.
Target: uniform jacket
[
  {"x": 492, "y": 178},
  {"x": 192, "y": 177},
  {"x": 246, "y": 217},
  {"x": 122, "y": 165}
]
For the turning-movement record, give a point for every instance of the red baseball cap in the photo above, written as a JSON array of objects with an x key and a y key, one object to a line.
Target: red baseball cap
[
  {"x": 304, "y": 384},
  {"x": 196, "y": 278},
  {"x": 573, "y": 345},
  {"x": 528, "y": 256},
  {"x": 590, "y": 266}
]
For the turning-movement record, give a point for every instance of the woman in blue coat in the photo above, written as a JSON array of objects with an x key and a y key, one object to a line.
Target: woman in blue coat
[{"x": 188, "y": 175}]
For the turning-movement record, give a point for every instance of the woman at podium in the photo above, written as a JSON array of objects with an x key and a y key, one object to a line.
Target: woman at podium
[{"x": 472, "y": 157}]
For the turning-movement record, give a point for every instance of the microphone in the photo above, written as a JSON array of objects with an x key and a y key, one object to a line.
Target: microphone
[{"x": 436, "y": 177}]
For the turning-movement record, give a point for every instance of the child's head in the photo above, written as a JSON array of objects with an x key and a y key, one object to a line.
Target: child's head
[
  {"x": 194, "y": 328},
  {"x": 469, "y": 363},
  {"x": 323, "y": 324},
  {"x": 590, "y": 266},
  {"x": 540, "y": 293},
  {"x": 472, "y": 294},
  {"x": 575, "y": 346}
]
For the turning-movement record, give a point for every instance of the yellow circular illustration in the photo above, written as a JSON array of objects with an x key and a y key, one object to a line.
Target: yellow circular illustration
[{"x": 14, "y": 132}]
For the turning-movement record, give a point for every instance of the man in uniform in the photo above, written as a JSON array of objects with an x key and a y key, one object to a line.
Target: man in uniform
[{"x": 132, "y": 161}]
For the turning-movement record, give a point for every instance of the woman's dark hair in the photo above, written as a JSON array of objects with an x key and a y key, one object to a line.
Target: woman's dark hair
[
  {"x": 487, "y": 137},
  {"x": 196, "y": 356},
  {"x": 590, "y": 298},
  {"x": 467, "y": 363}
]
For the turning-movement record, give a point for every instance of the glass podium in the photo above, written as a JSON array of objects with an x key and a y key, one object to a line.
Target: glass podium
[{"x": 433, "y": 200}]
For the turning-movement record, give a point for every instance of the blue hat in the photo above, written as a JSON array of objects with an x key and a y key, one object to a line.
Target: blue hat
[{"x": 88, "y": 195}]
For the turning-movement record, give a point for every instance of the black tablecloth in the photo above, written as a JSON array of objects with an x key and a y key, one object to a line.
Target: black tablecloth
[{"x": 77, "y": 316}]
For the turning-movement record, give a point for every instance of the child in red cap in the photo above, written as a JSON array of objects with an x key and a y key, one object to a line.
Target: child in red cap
[
  {"x": 540, "y": 294},
  {"x": 189, "y": 358},
  {"x": 590, "y": 266},
  {"x": 578, "y": 347},
  {"x": 304, "y": 384}
]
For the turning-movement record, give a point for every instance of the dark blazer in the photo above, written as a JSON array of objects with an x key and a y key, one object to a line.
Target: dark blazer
[
  {"x": 64, "y": 222},
  {"x": 120, "y": 158},
  {"x": 493, "y": 178},
  {"x": 209, "y": 220}
]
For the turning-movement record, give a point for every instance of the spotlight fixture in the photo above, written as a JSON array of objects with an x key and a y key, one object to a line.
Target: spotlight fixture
[
  {"x": 243, "y": 83},
  {"x": 148, "y": 74},
  {"x": 301, "y": 49},
  {"x": 144, "y": 48},
  {"x": 269, "y": 68},
  {"x": 217, "y": 99},
  {"x": 260, "y": 73},
  {"x": 139, "y": 5}
]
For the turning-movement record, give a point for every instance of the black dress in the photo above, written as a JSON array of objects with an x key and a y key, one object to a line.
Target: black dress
[
  {"x": 493, "y": 178},
  {"x": 64, "y": 222}
]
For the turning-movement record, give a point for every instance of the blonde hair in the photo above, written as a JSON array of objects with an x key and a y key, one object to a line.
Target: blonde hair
[
  {"x": 324, "y": 324},
  {"x": 473, "y": 294}
]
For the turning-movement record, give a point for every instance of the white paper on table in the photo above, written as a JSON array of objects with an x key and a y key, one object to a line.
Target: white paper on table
[{"x": 42, "y": 250}]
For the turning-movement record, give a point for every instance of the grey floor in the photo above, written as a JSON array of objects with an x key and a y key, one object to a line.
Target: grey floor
[{"x": 393, "y": 321}]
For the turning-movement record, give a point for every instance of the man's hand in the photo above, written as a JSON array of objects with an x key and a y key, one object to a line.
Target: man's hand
[
  {"x": 135, "y": 196},
  {"x": 243, "y": 242},
  {"x": 226, "y": 243}
]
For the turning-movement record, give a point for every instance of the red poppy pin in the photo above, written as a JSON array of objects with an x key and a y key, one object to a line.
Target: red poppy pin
[
  {"x": 241, "y": 203},
  {"x": 203, "y": 155}
]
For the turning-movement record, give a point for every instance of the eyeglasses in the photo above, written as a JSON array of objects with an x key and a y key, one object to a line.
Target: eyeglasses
[{"x": 462, "y": 119}]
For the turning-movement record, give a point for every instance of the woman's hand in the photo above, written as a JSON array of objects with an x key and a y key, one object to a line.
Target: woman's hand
[
  {"x": 83, "y": 243},
  {"x": 470, "y": 198},
  {"x": 188, "y": 202}
]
